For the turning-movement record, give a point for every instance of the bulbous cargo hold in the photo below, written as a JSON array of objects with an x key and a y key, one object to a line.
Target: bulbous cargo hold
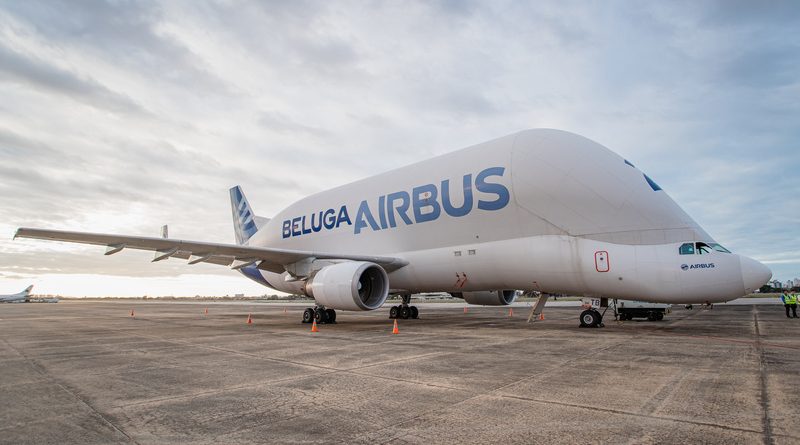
[{"x": 543, "y": 210}]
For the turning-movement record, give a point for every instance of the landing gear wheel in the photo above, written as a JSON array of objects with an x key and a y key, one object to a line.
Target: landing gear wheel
[
  {"x": 321, "y": 316},
  {"x": 331, "y": 315},
  {"x": 590, "y": 318},
  {"x": 308, "y": 315},
  {"x": 394, "y": 312},
  {"x": 414, "y": 312},
  {"x": 652, "y": 316},
  {"x": 660, "y": 316},
  {"x": 405, "y": 312}
]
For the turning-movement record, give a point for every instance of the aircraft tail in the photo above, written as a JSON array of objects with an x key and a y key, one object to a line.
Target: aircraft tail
[
  {"x": 27, "y": 291},
  {"x": 245, "y": 222}
]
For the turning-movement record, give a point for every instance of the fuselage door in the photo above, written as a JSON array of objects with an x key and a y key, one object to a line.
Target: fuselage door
[{"x": 601, "y": 263}]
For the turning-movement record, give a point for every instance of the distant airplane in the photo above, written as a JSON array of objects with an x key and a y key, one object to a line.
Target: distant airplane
[
  {"x": 19, "y": 297},
  {"x": 539, "y": 210}
]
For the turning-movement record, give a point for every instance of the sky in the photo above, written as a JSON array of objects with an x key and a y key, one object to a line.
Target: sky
[{"x": 121, "y": 116}]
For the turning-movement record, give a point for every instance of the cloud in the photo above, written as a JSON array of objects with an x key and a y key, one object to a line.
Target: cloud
[
  {"x": 15, "y": 67},
  {"x": 122, "y": 116}
]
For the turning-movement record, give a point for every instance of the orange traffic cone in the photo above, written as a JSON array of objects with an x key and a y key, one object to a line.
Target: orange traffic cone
[
  {"x": 394, "y": 329},
  {"x": 249, "y": 319},
  {"x": 465, "y": 309},
  {"x": 541, "y": 316},
  {"x": 510, "y": 312},
  {"x": 314, "y": 327},
  {"x": 132, "y": 313}
]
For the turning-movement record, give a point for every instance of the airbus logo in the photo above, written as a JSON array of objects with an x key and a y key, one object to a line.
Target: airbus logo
[
  {"x": 697, "y": 266},
  {"x": 422, "y": 204}
]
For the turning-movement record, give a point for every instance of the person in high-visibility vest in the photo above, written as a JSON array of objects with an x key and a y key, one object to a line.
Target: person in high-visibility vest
[{"x": 789, "y": 302}]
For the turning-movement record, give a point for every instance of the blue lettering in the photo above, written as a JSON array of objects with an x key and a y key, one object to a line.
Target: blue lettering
[
  {"x": 329, "y": 219},
  {"x": 425, "y": 202},
  {"x": 364, "y": 212},
  {"x": 447, "y": 203},
  {"x": 316, "y": 227},
  {"x": 488, "y": 187},
  {"x": 402, "y": 209},
  {"x": 429, "y": 201},
  {"x": 343, "y": 217},
  {"x": 382, "y": 210},
  {"x": 295, "y": 228},
  {"x": 287, "y": 229}
]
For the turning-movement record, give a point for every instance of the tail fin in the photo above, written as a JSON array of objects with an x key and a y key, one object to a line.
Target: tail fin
[
  {"x": 244, "y": 220},
  {"x": 27, "y": 290}
]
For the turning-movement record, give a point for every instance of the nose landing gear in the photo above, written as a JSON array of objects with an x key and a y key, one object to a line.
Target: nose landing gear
[{"x": 591, "y": 318}]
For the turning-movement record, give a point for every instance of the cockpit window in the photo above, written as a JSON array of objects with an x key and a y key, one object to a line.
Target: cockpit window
[
  {"x": 719, "y": 248},
  {"x": 701, "y": 248}
]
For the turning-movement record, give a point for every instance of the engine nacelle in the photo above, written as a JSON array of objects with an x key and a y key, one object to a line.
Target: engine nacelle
[
  {"x": 350, "y": 286},
  {"x": 489, "y": 297}
]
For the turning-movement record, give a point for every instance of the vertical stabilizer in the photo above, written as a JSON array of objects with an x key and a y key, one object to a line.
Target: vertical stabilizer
[{"x": 244, "y": 223}]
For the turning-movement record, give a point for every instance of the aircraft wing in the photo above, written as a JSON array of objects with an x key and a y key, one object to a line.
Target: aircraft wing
[{"x": 233, "y": 255}]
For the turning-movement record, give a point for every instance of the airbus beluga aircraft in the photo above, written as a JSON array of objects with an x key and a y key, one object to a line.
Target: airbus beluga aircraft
[{"x": 543, "y": 210}]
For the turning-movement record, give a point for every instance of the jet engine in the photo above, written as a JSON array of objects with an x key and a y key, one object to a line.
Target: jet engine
[
  {"x": 350, "y": 285},
  {"x": 489, "y": 297}
]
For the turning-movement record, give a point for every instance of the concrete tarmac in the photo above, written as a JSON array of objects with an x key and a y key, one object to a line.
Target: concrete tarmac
[{"x": 86, "y": 372}]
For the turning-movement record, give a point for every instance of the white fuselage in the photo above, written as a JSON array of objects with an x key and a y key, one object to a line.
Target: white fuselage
[{"x": 537, "y": 210}]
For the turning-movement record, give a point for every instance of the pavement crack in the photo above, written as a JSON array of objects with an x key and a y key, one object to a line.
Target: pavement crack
[
  {"x": 765, "y": 420},
  {"x": 43, "y": 372},
  {"x": 629, "y": 413},
  {"x": 661, "y": 396}
]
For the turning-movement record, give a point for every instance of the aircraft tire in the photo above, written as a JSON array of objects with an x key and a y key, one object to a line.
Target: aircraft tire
[
  {"x": 590, "y": 318},
  {"x": 308, "y": 315},
  {"x": 321, "y": 316},
  {"x": 414, "y": 312},
  {"x": 331, "y": 314},
  {"x": 405, "y": 312},
  {"x": 394, "y": 311}
]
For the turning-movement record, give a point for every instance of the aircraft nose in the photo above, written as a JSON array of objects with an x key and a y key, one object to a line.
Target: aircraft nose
[{"x": 754, "y": 274}]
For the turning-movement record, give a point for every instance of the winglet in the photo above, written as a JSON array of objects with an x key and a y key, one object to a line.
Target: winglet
[{"x": 243, "y": 217}]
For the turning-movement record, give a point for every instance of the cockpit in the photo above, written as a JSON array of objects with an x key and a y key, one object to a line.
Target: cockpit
[{"x": 701, "y": 248}]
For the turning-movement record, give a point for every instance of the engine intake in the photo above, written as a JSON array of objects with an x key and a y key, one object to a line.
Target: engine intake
[
  {"x": 351, "y": 286},
  {"x": 489, "y": 297}
]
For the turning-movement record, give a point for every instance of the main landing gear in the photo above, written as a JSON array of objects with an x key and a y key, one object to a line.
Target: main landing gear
[
  {"x": 591, "y": 318},
  {"x": 404, "y": 311},
  {"x": 320, "y": 314}
]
